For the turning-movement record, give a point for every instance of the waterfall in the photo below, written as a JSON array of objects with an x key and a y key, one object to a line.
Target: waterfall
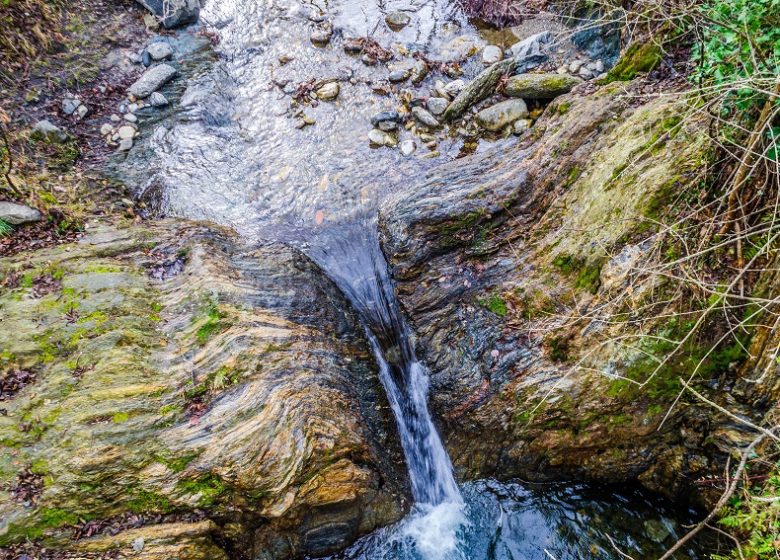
[{"x": 351, "y": 257}]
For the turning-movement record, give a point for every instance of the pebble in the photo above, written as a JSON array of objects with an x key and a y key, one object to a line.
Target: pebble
[
  {"x": 126, "y": 132},
  {"x": 146, "y": 58},
  {"x": 521, "y": 126},
  {"x": 425, "y": 137},
  {"x": 385, "y": 116},
  {"x": 497, "y": 116},
  {"x": 125, "y": 144},
  {"x": 378, "y": 138},
  {"x": 454, "y": 88},
  {"x": 585, "y": 73},
  {"x": 397, "y": 20},
  {"x": 160, "y": 50},
  {"x": 424, "y": 117},
  {"x": 437, "y": 105},
  {"x": 491, "y": 54},
  {"x": 157, "y": 99},
  {"x": 138, "y": 544},
  {"x": 419, "y": 71},
  {"x": 132, "y": 108},
  {"x": 106, "y": 129},
  {"x": 70, "y": 104},
  {"x": 130, "y": 117},
  {"x": 397, "y": 76},
  {"x": 599, "y": 66},
  {"x": 575, "y": 66},
  {"x": 116, "y": 118},
  {"x": 322, "y": 35},
  {"x": 387, "y": 126},
  {"x": 407, "y": 147},
  {"x": 82, "y": 111},
  {"x": 134, "y": 57},
  {"x": 328, "y": 91}
]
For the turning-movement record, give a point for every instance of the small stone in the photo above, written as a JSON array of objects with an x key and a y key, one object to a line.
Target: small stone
[
  {"x": 126, "y": 132},
  {"x": 116, "y": 118},
  {"x": 575, "y": 66},
  {"x": 491, "y": 54},
  {"x": 132, "y": 108},
  {"x": 585, "y": 73},
  {"x": 130, "y": 117},
  {"x": 425, "y": 137},
  {"x": 322, "y": 35},
  {"x": 397, "y": 76},
  {"x": 138, "y": 544},
  {"x": 397, "y": 20},
  {"x": 424, "y": 117},
  {"x": 328, "y": 91},
  {"x": 521, "y": 126},
  {"x": 437, "y": 105},
  {"x": 387, "y": 126},
  {"x": 17, "y": 214},
  {"x": 407, "y": 147},
  {"x": 385, "y": 116},
  {"x": 82, "y": 111},
  {"x": 151, "y": 22},
  {"x": 454, "y": 88},
  {"x": 591, "y": 66},
  {"x": 157, "y": 99},
  {"x": 160, "y": 50},
  {"x": 125, "y": 144},
  {"x": 353, "y": 46},
  {"x": 368, "y": 60},
  {"x": 146, "y": 58},
  {"x": 70, "y": 105},
  {"x": 285, "y": 59},
  {"x": 135, "y": 58},
  {"x": 501, "y": 114},
  {"x": 656, "y": 530},
  {"x": 378, "y": 138},
  {"x": 152, "y": 80},
  {"x": 419, "y": 71},
  {"x": 106, "y": 130},
  {"x": 598, "y": 66},
  {"x": 46, "y": 130},
  {"x": 562, "y": 70}
]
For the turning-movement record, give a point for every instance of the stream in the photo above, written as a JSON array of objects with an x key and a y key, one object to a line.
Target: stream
[{"x": 233, "y": 153}]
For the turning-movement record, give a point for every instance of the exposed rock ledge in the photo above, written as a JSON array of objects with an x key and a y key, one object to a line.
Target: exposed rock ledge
[
  {"x": 490, "y": 251},
  {"x": 231, "y": 405}
]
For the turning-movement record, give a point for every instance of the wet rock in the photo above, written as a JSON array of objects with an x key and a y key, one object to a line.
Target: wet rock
[
  {"x": 460, "y": 48},
  {"x": 397, "y": 20},
  {"x": 419, "y": 72},
  {"x": 328, "y": 91},
  {"x": 380, "y": 138},
  {"x": 298, "y": 386},
  {"x": 157, "y": 99},
  {"x": 126, "y": 132},
  {"x": 454, "y": 88},
  {"x": 146, "y": 58},
  {"x": 500, "y": 115},
  {"x": 437, "y": 105},
  {"x": 540, "y": 86},
  {"x": 386, "y": 120},
  {"x": 575, "y": 65},
  {"x": 656, "y": 530},
  {"x": 407, "y": 147},
  {"x": 491, "y": 54},
  {"x": 160, "y": 50},
  {"x": 322, "y": 35},
  {"x": 397, "y": 76},
  {"x": 353, "y": 46},
  {"x": 17, "y": 214},
  {"x": 424, "y": 117},
  {"x": 131, "y": 118},
  {"x": 173, "y": 13},
  {"x": 47, "y": 131},
  {"x": 152, "y": 80}
]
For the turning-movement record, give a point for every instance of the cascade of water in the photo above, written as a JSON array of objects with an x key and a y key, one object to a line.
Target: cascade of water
[{"x": 351, "y": 257}]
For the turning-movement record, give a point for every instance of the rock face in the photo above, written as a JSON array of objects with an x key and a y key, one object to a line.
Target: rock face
[
  {"x": 217, "y": 392},
  {"x": 540, "y": 86},
  {"x": 173, "y": 13},
  {"x": 152, "y": 80},
  {"x": 484, "y": 256},
  {"x": 17, "y": 214}
]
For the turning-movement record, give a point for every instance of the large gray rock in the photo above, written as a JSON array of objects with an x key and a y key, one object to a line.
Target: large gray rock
[
  {"x": 152, "y": 80},
  {"x": 497, "y": 116},
  {"x": 540, "y": 86},
  {"x": 16, "y": 214},
  {"x": 173, "y": 13},
  {"x": 49, "y": 132}
]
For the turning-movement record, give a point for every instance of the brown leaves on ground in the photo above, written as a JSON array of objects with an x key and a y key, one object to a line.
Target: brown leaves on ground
[
  {"x": 27, "y": 487},
  {"x": 13, "y": 381},
  {"x": 35, "y": 236}
]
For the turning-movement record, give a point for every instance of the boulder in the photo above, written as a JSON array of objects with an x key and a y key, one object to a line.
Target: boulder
[
  {"x": 220, "y": 394},
  {"x": 173, "y": 13},
  {"x": 152, "y": 80},
  {"x": 47, "y": 131},
  {"x": 397, "y": 20},
  {"x": 502, "y": 114},
  {"x": 540, "y": 86},
  {"x": 160, "y": 50}
]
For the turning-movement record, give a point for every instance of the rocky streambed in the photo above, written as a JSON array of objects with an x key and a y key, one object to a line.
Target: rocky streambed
[{"x": 338, "y": 199}]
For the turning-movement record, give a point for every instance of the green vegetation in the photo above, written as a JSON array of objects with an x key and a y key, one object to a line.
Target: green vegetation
[
  {"x": 638, "y": 58},
  {"x": 5, "y": 228},
  {"x": 208, "y": 487},
  {"x": 495, "y": 304},
  {"x": 211, "y": 324},
  {"x": 588, "y": 275}
]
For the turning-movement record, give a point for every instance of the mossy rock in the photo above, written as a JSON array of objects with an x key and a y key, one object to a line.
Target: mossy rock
[
  {"x": 540, "y": 86},
  {"x": 639, "y": 58}
]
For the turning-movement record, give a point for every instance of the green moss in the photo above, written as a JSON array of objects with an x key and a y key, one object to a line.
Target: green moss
[
  {"x": 495, "y": 304},
  {"x": 559, "y": 349},
  {"x": 212, "y": 323},
  {"x": 177, "y": 463},
  {"x": 589, "y": 278},
  {"x": 564, "y": 107},
  {"x": 638, "y": 58},
  {"x": 208, "y": 487},
  {"x": 571, "y": 178},
  {"x": 145, "y": 501}
]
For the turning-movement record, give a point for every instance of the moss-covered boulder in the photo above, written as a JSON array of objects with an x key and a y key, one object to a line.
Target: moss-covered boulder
[
  {"x": 170, "y": 392},
  {"x": 639, "y": 58},
  {"x": 540, "y": 86}
]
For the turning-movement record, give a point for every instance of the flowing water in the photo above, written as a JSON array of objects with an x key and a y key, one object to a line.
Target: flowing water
[{"x": 231, "y": 153}]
